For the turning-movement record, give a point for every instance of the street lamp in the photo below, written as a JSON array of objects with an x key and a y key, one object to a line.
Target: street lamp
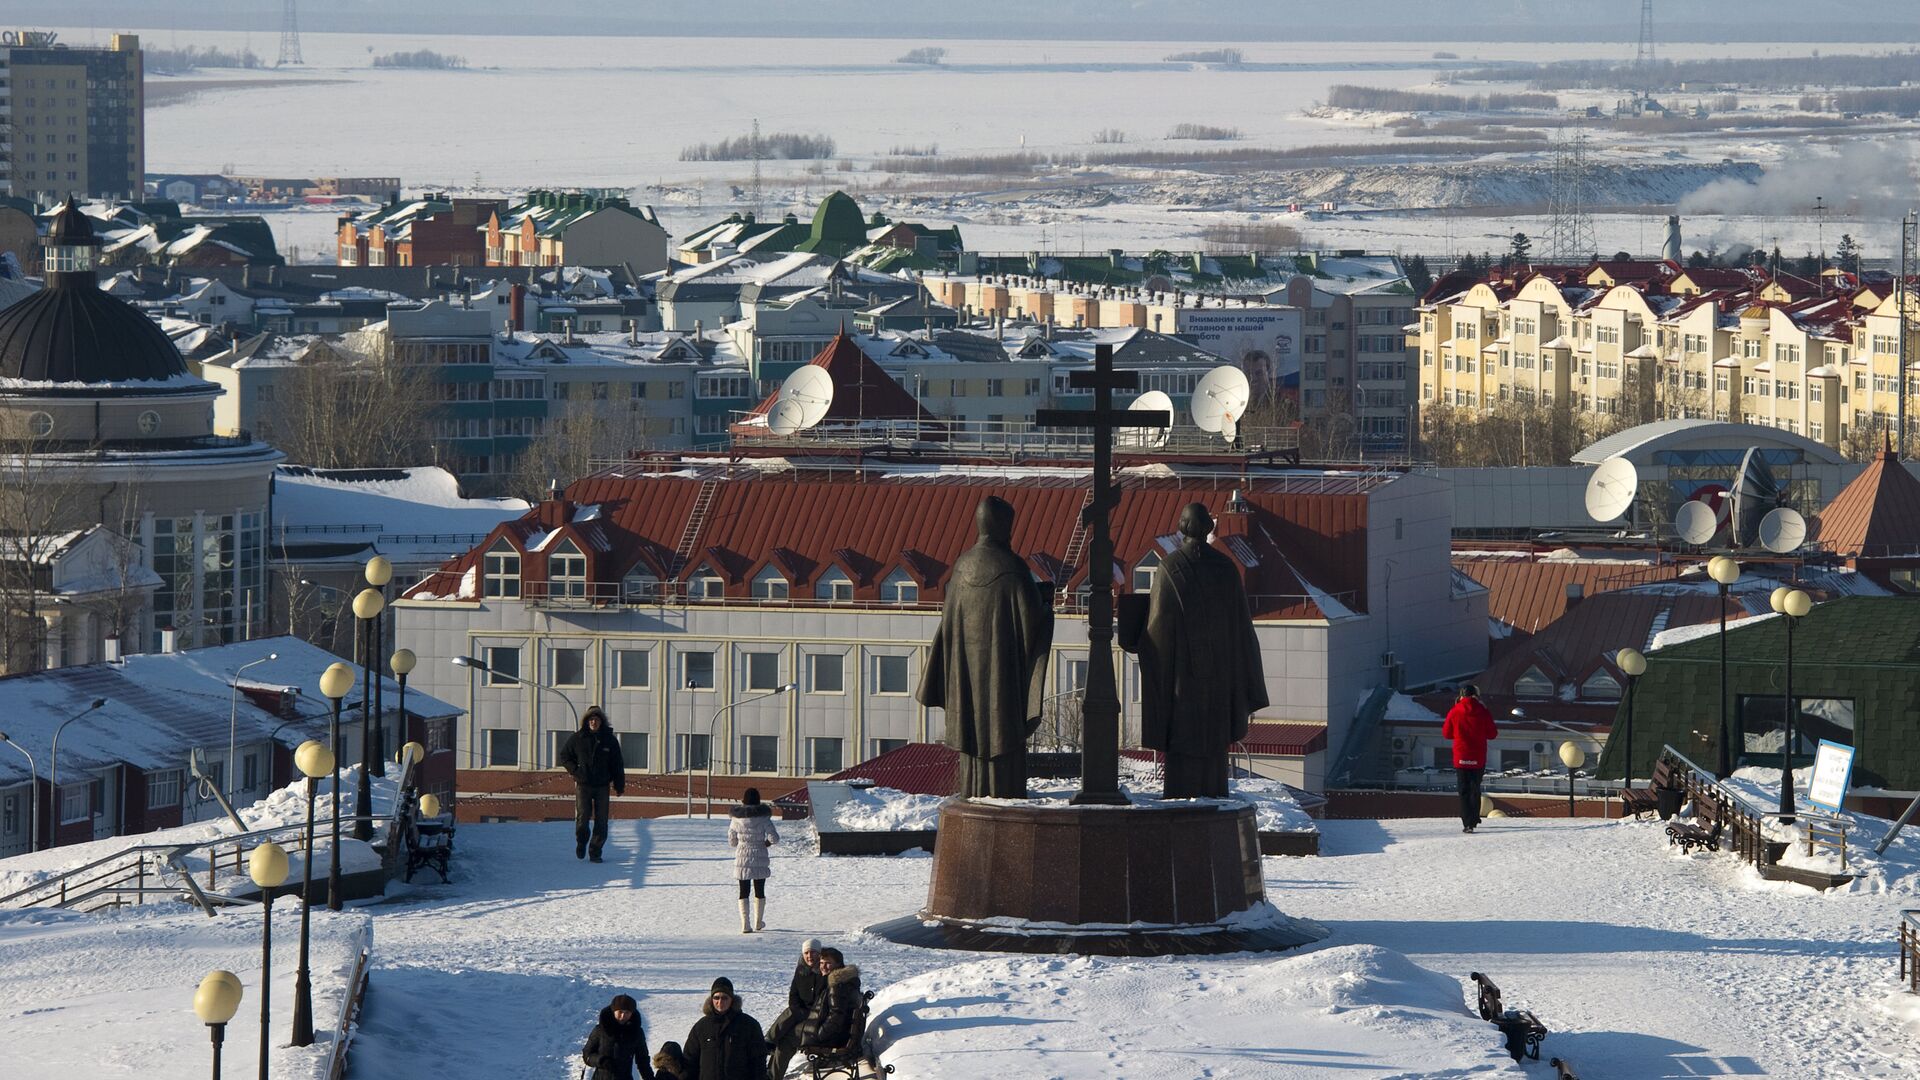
[
  {"x": 314, "y": 760},
  {"x": 334, "y": 683},
  {"x": 1794, "y": 604},
  {"x": 215, "y": 1003},
  {"x": 1724, "y": 572},
  {"x": 33, "y": 795},
  {"x": 1631, "y": 664},
  {"x": 481, "y": 666},
  {"x": 267, "y": 866},
  {"x": 402, "y": 663},
  {"x": 379, "y": 572},
  {"x": 366, "y": 608},
  {"x": 53, "y": 768},
  {"x": 776, "y": 692},
  {"x": 1572, "y": 757},
  {"x": 233, "y": 719}
]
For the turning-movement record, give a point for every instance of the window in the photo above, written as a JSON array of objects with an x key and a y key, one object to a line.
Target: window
[
  {"x": 639, "y": 586},
  {"x": 163, "y": 788},
  {"x": 499, "y": 747},
  {"x": 76, "y": 802},
  {"x": 10, "y": 815},
  {"x": 1533, "y": 683},
  {"x": 724, "y": 386},
  {"x": 834, "y": 586},
  {"x": 693, "y": 752},
  {"x": 769, "y": 584},
  {"x": 761, "y": 671},
  {"x": 567, "y": 571},
  {"x": 634, "y": 751},
  {"x": 826, "y": 673},
  {"x": 898, "y": 588},
  {"x": 632, "y": 669},
  {"x": 1143, "y": 573},
  {"x": 889, "y": 675},
  {"x": 763, "y": 753},
  {"x": 885, "y": 746},
  {"x": 823, "y": 756},
  {"x": 556, "y": 742},
  {"x": 1443, "y": 757},
  {"x": 696, "y": 670},
  {"x": 503, "y": 665},
  {"x": 1516, "y": 759},
  {"x": 1763, "y": 731},
  {"x": 250, "y": 772},
  {"x": 706, "y": 585},
  {"x": 1602, "y": 686},
  {"x": 502, "y": 571},
  {"x": 567, "y": 666}
]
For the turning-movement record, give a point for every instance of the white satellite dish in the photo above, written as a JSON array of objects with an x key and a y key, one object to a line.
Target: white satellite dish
[
  {"x": 1696, "y": 522},
  {"x": 786, "y": 417},
  {"x": 803, "y": 402},
  {"x": 1220, "y": 395},
  {"x": 1782, "y": 530},
  {"x": 1611, "y": 488},
  {"x": 1151, "y": 401},
  {"x": 1230, "y": 429}
]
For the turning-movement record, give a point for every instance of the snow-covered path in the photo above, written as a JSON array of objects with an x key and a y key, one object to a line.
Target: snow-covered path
[{"x": 1644, "y": 964}]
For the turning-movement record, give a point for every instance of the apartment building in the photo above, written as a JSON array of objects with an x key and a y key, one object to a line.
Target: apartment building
[
  {"x": 558, "y": 228},
  {"x": 72, "y": 119},
  {"x": 435, "y": 230},
  {"x": 1819, "y": 359}
]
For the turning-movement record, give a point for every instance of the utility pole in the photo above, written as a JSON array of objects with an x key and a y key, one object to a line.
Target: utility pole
[
  {"x": 290, "y": 34},
  {"x": 754, "y": 150},
  {"x": 1903, "y": 288}
]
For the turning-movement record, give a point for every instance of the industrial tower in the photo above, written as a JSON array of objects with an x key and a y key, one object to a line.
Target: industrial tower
[
  {"x": 290, "y": 34},
  {"x": 1643, "y": 56},
  {"x": 1570, "y": 237}
]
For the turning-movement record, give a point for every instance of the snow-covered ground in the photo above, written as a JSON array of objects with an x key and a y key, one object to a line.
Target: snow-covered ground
[
  {"x": 1643, "y": 963},
  {"x": 883, "y": 809}
]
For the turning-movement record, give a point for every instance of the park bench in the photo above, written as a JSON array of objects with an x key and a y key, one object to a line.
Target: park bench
[
  {"x": 430, "y": 843},
  {"x": 1523, "y": 1030},
  {"x": 1710, "y": 815},
  {"x": 1637, "y": 801},
  {"x": 850, "y": 1058}
]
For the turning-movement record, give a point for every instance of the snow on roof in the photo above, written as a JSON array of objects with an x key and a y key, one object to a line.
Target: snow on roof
[
  {"x": 1680, "y": 634},
  {"x": 423, "y": 501}
]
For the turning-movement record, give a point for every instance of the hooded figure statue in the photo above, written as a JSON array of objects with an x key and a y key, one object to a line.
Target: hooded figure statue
[
  {"x": 988, "y": 663},
  {"x": 1200, "y": 676}
]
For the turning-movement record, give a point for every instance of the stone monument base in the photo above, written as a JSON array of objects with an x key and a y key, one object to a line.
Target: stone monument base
[{"x": 1137, "y": 880}]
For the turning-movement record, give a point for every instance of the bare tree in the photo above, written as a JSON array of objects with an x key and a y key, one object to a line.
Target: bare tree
[
  {"x": 44, "y": 496},
  {"x": 342, "y": 410},
  {"x": 583, "y": 432}
]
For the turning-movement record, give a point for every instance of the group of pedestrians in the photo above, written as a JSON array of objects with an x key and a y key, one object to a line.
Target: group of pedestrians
[{"x": 823, "y": 1002}]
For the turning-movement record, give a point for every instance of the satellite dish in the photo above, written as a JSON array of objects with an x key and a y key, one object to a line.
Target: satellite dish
[
  {"x": 1611, "y": 488},
  {"x": 1230, "y": 429},
  {"x": 1695, "y": 522},
  {"x": 1151, "y": 401},
  {"x": 1220, "y": 394},
  {"x": 1754, "y": 493},
  {"x": 786, "y": 417},
  {"x": 1782, "y": 530},
  {"x": 810, "y": 392}
]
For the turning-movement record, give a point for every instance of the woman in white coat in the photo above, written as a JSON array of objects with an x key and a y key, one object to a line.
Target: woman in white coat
[{"x": 750, "y": 833}]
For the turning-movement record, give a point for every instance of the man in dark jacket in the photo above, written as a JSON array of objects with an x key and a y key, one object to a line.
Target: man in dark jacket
[
  {"x": 1469, "y": 725},
  {"x": 830, "y": 1024},
  {"x": 592, "y": 758},
  {"x": 618, "y": 1043},
  {"x": 726, "y": 1043},
  {"x": 801, "y": 994}
]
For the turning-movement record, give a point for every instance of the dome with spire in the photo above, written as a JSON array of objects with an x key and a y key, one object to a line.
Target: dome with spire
[{"x": 72, "y": 336}]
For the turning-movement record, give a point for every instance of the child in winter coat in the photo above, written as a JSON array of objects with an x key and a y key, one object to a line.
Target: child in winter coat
[
  {"x": 669, "y": 1063},
  {"x": 618, "y": 1043},
  {"x": 750, "y": 833}
]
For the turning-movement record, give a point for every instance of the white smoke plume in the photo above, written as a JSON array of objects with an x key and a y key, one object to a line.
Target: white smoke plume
[{"x": 1867, "y": 179}]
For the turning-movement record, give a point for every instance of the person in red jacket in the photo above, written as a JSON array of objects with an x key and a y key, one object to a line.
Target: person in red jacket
[{"x": 1469, "y": 725}]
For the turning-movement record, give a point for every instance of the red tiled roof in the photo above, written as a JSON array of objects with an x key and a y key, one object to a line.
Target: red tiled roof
[
  {"x": 871, "y": 522},
  {"x": 916, "y": 768},
  {"x": 1588, "y": 634},
  {"x": 861, "y": 390},
  {"x": 1292, "y": 739},
  {"x": 1877, "y": 514},
  {"x": 1529, "y": 595}
]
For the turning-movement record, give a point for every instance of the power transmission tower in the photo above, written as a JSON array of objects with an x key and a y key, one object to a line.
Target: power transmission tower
[
  {"x": 290, "y": 34},
  {"x": 1570, "y": 237},
  {"x": 757, "y": 153},
  {"x": 1643, "y": 56}
]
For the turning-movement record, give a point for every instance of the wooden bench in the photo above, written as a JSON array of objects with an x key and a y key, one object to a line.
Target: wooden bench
[
  {"x": 1637, "y": 801},
  {"x": 430, "y": 843},
  {"x": 850, "y": 1058},
  {"x": 1710, "y": 815},
  {"x": 1523, "y": 1030}
]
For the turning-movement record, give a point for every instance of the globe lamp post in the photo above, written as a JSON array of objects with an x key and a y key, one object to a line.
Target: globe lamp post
[
  {"x": 402, "y": 663},
  {"x": 1572, "y": 757},
  {"x": 267, "y": 866},
  {"x": 366, "y": 608},
  {"x": 379, "y": 573},
  {"x": 1633, "y": 665},
  {"x": 334, "y": 684},
  {"x": 215, "y": 1002},
  {"x": 314, "y": 760},
  {"x": 1724, "y": 572},
  {"x": 1794, "y": 604}
]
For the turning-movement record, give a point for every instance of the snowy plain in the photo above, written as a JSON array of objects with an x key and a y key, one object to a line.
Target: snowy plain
[{"x": 1643, "y": 963}]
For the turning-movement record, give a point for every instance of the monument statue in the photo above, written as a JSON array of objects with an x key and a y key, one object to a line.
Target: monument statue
[
  {"x": 1200, "y": 674},
  {"x": 987, "y": 667}
]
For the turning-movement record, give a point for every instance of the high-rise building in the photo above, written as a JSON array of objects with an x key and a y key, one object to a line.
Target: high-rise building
[{"x": 72, "y": 120}]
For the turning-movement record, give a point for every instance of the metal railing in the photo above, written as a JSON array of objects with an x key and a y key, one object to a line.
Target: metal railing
[
  {"x": 678, "y": 594},
  {"x": 1745, "y": 826},
  {"x": 1909, "y": 931},
  {"x": 1021, "y": 438}
]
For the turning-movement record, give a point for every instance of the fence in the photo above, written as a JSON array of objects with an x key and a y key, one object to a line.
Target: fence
[{"x": 1909, "y": 931}]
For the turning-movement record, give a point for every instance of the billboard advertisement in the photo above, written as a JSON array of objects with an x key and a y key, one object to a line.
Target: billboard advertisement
[{"x": 1263, "y": 341}]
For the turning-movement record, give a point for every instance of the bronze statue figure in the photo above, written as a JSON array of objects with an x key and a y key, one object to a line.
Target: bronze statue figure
[
  {"x": 988, "y": 663},
  {"x": 1200, "y": 676}
]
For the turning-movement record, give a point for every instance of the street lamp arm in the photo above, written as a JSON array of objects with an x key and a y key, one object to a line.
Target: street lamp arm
[
  {"x": 233, "y": 714},
  {"x": 481, "y": 666},
  {"x": 715, "y": 720},
  {"x": 1587, "y": 735}
]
